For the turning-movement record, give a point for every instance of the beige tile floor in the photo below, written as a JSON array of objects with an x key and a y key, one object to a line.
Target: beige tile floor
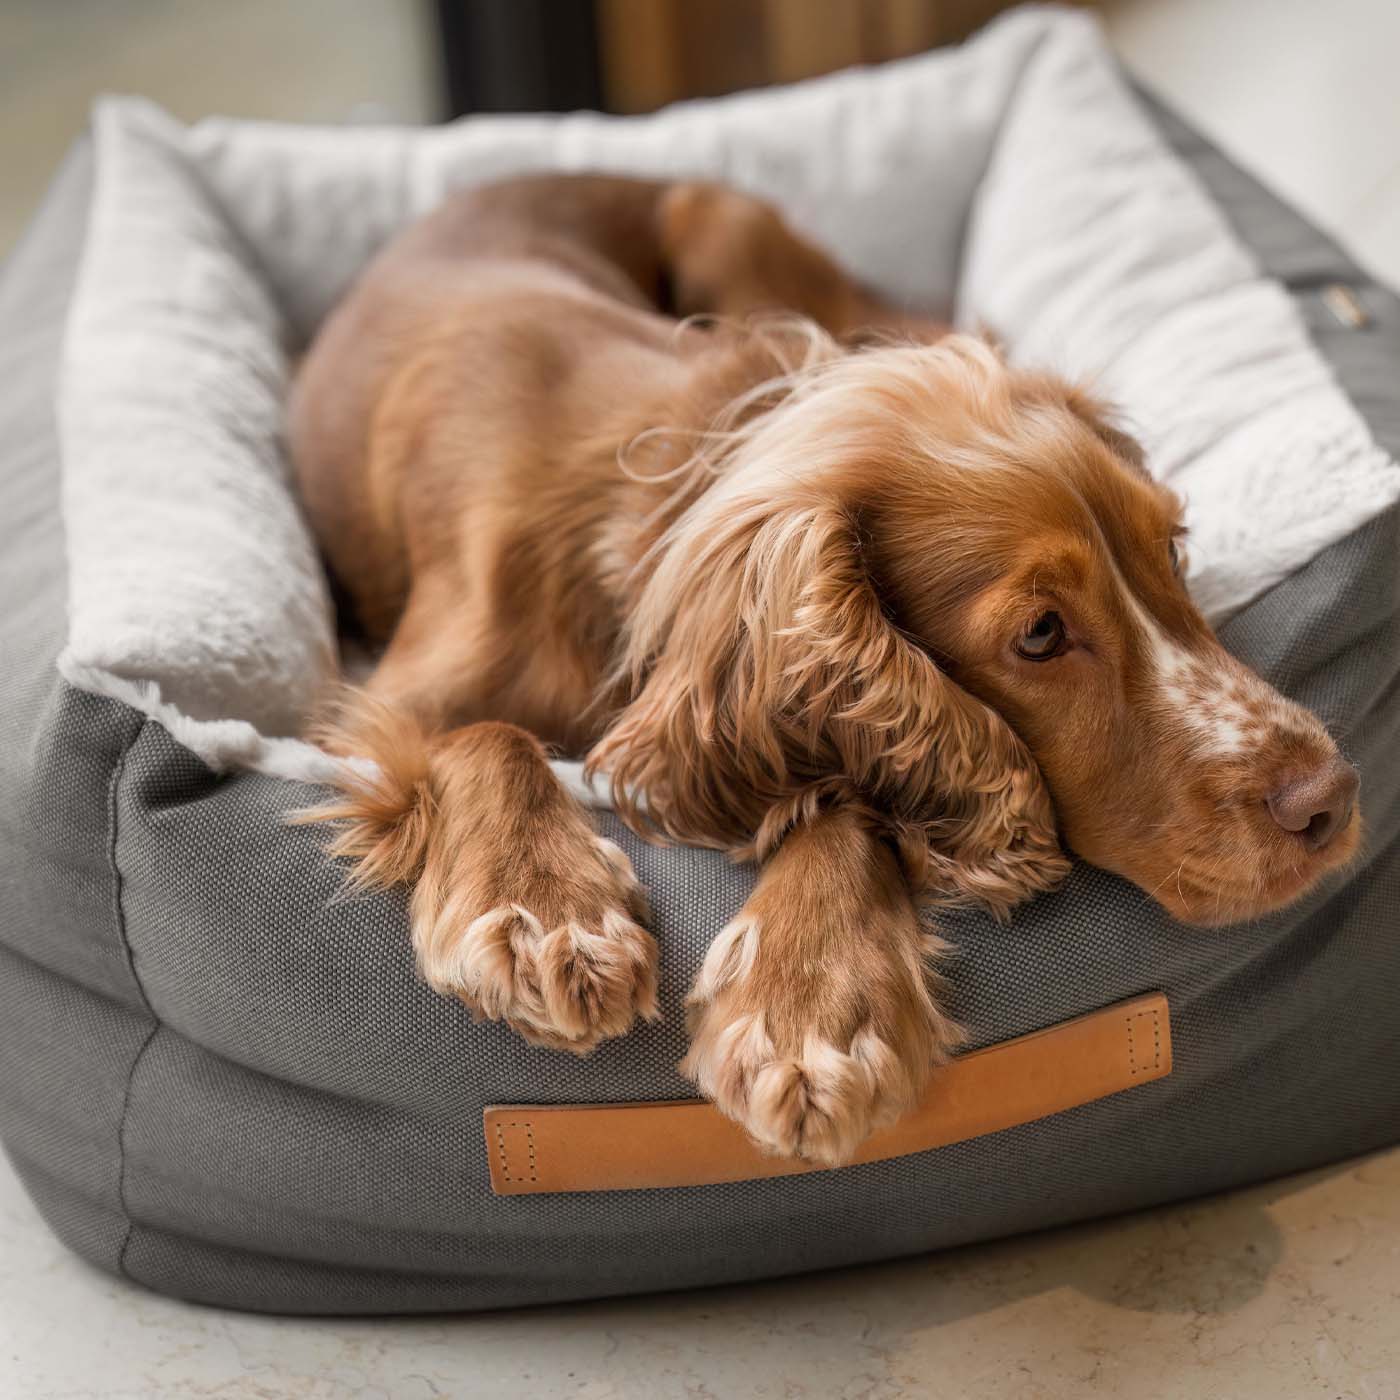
[{"x": 1288, "y": 1291}]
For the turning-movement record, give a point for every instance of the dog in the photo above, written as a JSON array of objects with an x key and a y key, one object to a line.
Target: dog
[{"x": 629, "y": 469}]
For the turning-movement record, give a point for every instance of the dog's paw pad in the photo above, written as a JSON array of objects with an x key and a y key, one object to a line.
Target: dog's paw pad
[
  {"x": 596, "y": 983},
  {"x": 818, "y": 1103},
  {"x": 566, "y": 988}
]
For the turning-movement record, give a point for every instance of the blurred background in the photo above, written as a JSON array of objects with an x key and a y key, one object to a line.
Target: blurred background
[
  {"x": 1304, "y": 94},
  {"x": 1290, "y": 1279}
]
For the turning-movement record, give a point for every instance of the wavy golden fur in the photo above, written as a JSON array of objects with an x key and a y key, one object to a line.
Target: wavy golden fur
[
  {"x": 762, "y": 660},
  {"x": 835, "y": 591}
]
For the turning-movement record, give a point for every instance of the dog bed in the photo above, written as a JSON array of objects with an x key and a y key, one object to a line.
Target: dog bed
[{"x": 220, "y": 1076}]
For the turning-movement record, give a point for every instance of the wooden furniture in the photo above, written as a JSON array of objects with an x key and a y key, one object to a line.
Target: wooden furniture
[{"x": 637, "y": 55}]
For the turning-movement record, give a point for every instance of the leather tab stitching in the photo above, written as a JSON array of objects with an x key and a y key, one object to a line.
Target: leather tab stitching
[
  {"x": 530, "y": 1150},
  {"x": 1134, "y": 1066}
]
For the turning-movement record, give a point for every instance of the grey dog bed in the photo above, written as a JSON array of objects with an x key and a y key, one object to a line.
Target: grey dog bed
[{"x": 223, "y": 1081}]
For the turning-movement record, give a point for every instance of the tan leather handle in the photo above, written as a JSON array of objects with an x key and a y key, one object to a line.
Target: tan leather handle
[{"x": 627, "y": 1147}]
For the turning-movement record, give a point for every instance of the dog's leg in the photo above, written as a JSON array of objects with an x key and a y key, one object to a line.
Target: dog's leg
[
  {"x": 519, "y": 908},
  {"x": 812, "y": 1019}
]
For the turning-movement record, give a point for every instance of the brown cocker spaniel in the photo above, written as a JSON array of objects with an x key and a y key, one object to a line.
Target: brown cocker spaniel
[{"x": 832, "y": 590}]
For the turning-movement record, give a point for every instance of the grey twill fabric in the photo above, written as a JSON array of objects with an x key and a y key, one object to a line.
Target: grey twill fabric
[{"x": 223, "y": 1081}]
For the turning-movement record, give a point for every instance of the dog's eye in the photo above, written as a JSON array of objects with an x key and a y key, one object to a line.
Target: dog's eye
[
  {"x": 1043, "y": 639},
  {"x": 1174, "y": 554}
]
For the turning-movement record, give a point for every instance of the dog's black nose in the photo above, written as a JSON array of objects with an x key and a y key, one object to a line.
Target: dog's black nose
[{"x": 1318, "y": 805}]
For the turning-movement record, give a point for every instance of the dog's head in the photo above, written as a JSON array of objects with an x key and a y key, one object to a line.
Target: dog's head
[{"x": 953, "y": 586}]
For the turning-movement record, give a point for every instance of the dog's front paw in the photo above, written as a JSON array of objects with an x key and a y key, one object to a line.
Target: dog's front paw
[
  {"x": 559, "y": 953},
  {"x": 811, "y": 1058}
]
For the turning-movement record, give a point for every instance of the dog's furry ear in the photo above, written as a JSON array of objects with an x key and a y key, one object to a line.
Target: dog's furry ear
[
  {"x": 1099, "y": 417},
  {"x": 764, "y": 666}
]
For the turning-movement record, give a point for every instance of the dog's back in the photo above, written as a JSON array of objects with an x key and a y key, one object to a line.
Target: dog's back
[{"x": 511, "y": 306}]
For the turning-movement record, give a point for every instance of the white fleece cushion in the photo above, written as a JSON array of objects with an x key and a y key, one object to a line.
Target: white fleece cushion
[
  {"x": 1014, "y": 178},
  {"x": 1093, "y": 250}
]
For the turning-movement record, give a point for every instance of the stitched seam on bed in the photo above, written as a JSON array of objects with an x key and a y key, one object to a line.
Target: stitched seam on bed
[{"x": 119, "y": 922}]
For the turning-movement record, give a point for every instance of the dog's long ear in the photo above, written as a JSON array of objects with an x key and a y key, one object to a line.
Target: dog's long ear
[{"x": 765, "y": 666}]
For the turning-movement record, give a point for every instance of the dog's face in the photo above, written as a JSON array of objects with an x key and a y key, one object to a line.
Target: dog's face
[
  {"x": 954, "y": 587},
  {"x": 1169, "y": 762}
]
